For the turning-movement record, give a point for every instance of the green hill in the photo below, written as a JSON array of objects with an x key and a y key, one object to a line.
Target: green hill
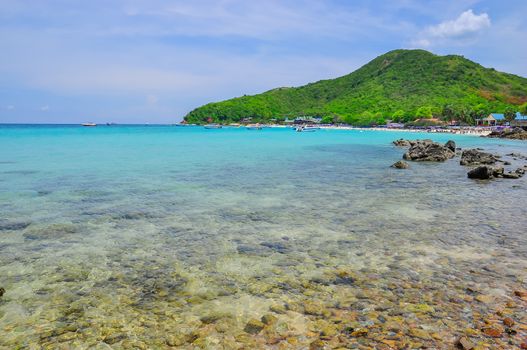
[{"x": 399, "y": 85}]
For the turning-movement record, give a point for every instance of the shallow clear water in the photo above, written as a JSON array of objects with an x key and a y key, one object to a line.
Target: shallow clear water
[{"x": 166, "y": 237}]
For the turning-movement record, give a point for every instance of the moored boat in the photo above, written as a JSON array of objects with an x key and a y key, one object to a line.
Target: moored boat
[
  {"x": 254, "y": 127},
  {"x": 212, "y": 126},
  {"x": 89, "y": 124},
  {"x": 307, "y": 128}
]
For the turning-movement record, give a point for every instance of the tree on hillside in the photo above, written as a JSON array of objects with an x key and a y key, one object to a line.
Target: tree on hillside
[
  {"x": 466, "y": 115},
  {"x": 523, "y": 109},
  {"x": 379, "y": 119},
  {"x": 480, "y": 111},
  {"x": 448, "y": 113},
  {"x": 509, "y": 114},
  {"x": 424, "y": 112},
  {"x": 327, "y": 120},
  {"x": 366, "y": 119},
  {"x": 398, "y": 115}
]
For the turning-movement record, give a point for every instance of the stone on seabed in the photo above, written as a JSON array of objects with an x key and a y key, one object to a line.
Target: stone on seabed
[
  {"x": 254, "y": 326},
  {"x": 400, "y": 165},
  {"x": 465, "y": 344}
]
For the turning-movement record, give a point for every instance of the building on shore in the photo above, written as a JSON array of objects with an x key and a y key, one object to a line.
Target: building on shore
[
  {"x": 519, "y": 121},
  {"x": 307, "y": 120},
  {"x": 492, "y": 119}
]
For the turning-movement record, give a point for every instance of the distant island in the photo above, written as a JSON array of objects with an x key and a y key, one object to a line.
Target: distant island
[{"x": 408, "y": 86}]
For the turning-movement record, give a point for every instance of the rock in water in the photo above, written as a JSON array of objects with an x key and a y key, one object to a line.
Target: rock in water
[
  {"x": 485, "y": 172},
  {"x": 401, "y": 164},
  {"x": 515, "y": 134},
  {"x": 2, "y": 292},
  {"x": 428, "y": 151},
  {"x": 254, "y": 326},
  {"x": 511, "y": 175},
  {"x": 451, "y": 145},
  {"x": 514, "y": 174},
  {"x": 475, "y": 157},
  {"x": 402, "y": 143}
]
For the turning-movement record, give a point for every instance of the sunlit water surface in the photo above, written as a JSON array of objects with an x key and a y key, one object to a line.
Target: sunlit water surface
[{"x": 161, "y": 237}]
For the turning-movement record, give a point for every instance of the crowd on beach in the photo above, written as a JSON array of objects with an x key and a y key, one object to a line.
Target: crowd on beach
[{"x": 465, "y": 130}]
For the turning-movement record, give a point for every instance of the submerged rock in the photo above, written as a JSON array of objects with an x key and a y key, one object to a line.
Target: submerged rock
[
  {"x": 518, "y": 172},
  {"x": 476, "y": 157},
  {"x": 276, "y": 246},
  {"x": 2, "y": 292},
  {"x": 511, "y": 175},
  {"x": 13, "y": 226},
  {"x": 254, "y": 326},
  {"x": 52, "y": 231},
  {"x": 278, "y": 308},
  {"x": 508, "y": 321},
  {"x": 485, "y": 172},
  {"x": 493, "y": 332},
  {"x": 465, "y": 344},
  {"x": 269, "y": 319},
  {"x": 429, "y": 151},
  {"x": 401, "y": 164}
]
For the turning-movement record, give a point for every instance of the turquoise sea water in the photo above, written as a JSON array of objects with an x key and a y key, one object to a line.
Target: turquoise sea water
[{"x": 170, "y": 237}]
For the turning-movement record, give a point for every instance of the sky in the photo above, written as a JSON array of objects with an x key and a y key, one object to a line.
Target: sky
[{"x": 153, "y": 61}]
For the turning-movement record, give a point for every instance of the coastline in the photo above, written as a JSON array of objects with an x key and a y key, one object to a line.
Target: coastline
[
  {"x": 464, "y": 131},
  {"x": 469, "y": 131}
]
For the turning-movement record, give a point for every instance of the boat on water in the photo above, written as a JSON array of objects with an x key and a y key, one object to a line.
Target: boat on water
[
  {"x": 184, "y": 124},
  {"x": 307, "y": 128},
  {"x": 254, "y": 127},
  {"x": 89, "y": 124},
  {"x": 212, "y": 126}
]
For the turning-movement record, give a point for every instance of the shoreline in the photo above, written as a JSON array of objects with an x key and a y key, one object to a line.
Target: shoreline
[
  {"x": 465, "y": 131},
  {"x": 469, "y": 131}
]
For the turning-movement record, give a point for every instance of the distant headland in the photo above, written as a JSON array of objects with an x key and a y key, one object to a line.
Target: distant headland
[{"x": 407, "y": 86}]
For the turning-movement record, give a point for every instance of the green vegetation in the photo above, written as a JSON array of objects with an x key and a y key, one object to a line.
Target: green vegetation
[
  {"x": 523, "y": 109},
  {"x": 402, "y": 85}
]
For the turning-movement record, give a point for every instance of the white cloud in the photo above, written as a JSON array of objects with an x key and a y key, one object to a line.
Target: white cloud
[
  {"x": 461, "y": 30},
  {"x": 44, "y": 108},
  {"x": 467, "y": 22},
  {"x": 10, "y": 107}
]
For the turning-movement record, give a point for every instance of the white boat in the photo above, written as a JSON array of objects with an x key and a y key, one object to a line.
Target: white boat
[
  {"x": 89, "y": 124},
  {"x": 254, "y": 127},
  {"x": 307, "y": 128},
  {"x": 212, "y": 126}
]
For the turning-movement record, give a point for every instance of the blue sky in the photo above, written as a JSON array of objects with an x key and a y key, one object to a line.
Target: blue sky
[{"x": 153, "y": 60}]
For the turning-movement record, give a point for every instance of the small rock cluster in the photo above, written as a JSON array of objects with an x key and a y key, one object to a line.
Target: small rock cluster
[
  {"x": 429, "y": 151},
  {"x": 513, "y": 134},
  {"x": 484, "y": 163}
]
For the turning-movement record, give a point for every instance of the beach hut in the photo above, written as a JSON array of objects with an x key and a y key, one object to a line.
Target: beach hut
[
  {"x": 519, "y": 121},
  {"x": 492, "y": 119}
]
